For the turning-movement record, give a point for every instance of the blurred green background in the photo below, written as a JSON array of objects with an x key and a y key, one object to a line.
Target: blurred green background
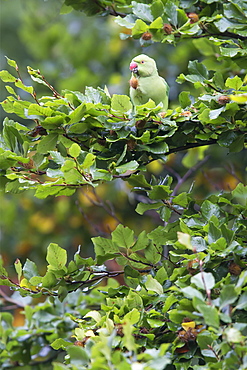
[{"x": 73, "y": 51}]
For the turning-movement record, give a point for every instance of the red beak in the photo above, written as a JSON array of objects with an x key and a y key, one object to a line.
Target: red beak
[{"x": 133, "y": 66}]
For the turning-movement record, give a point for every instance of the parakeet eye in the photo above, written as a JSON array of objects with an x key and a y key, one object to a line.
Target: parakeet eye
[{"x": 142, "y": 61}]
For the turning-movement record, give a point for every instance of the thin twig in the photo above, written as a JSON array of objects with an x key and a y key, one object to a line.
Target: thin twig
[
  {"x": 188, "y": 174},
  {"x": 9, "y": 299},
  {"x": 99, "y": 203},
  {"x": 132, "y": 259},
  {"x": 230, "y": 169}
]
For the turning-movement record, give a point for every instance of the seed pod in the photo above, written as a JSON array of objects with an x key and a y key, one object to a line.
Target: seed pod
[
  {"x": 167, "y": 28},
  {"x": 140, "y": 123},
  {"x": 223, "y": 99},
  {"x": 147, "y": 36},
  {"x": 193, "y": 17},
  {"x": 131, "y": 144},
  {"x": 234, "y": 268},
  {"x": 134, "y": 82}
]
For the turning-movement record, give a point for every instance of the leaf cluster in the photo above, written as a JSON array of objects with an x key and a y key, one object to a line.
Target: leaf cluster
[
  {"x": 77, "y": 139},
  {"x": 184, "y": 300}
]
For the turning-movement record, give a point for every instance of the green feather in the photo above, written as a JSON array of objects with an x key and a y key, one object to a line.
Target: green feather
[{"x": 149, "y": 84}]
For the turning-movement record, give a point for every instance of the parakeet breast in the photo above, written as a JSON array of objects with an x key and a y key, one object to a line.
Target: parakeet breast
[{"x": 145, "y": 88}]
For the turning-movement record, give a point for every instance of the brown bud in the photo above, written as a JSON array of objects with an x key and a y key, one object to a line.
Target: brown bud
[
  {"x": 119, "y": 328},
  {"x": 234, "y": 268},
  {"x": 131, "y": 144},
  {"x": 167, "y": 28},
  {"x": 193, "y": 17},
  {"x": 81, "y": 343},
  {"x": 186, "y": 113},
  {"x": 134, "y": 82},
  {"x": 140, "y": 123},
  {"x": 147, "y": 36},
  {"x": 223, "y": 99}
]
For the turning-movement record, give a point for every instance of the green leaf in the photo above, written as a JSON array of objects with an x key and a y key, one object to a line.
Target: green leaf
[
  {"x": 234, "y": 83},
  {"x": 12, "y": 63},
  {"x": 154, "y": 285},
  {"x": 171, "y": 299},
  {"x": 171, "y": 12},
  {"x": 203, "y": 280},
  {"x": 159, "y": 192},
  {"x": 214, "y": 233},
  {"x": 184, "y": 99},
  {"x": 5, "y": 76},
  {"x": 30, "y": 269},
  {"x": 204, "y": 339},
  {"x": 138, "y": 181},
  {"x": 157, "y": 9},
  {"x": 21, "y": 85},
  {"x": 210, "y": 313},
  {"x": 38, "y": 110},
  {"x": 121, "y": 103},
  {"x": 181, "y": 199},
  {"x": 18, "y": 269},
  {"x": 53, "y": 122},
  {"x": 3, "y": 271},
  {"x": 228, "y": 295},
  {"x": 139, "y": 28},
  {"x": 153, "y": 253},
  {"x": 185, "y": 240},
  {"x": 49, "y": 280},
  {"x": 240, "y": 192},
  {"x": 132, "y": 316},
  {"x": 123, "y": 236},
  {"x": 209, "y": 209},
  {"x": 56, "y": 256},
  {"x": 242, "y": 302},
  {"x": 191, "y": 292},
  {"x": 75, "y": 150},
  {"x": 161, "y": 275},
  {"x": 60, "y": 344},
  {"x": 104, "y": 249},
  {"x": 198, "y": 72},
  {"x": 47, "y": 143},
  {"x": 129, "y": 166},
  {"x": 11, "y": 90},
  {"x": 141, "y": 243},
  {"x": 128, "y": 338},
  {"x": 88, "y": 161},
  {"x": 143, "y": 207},
  {"x": 142, "y": 11},
  {"x": 77, "y": 114},
  {"x": 238, "y": 144},
  {"x": 156, "y": 24},
  {"x": 233, "y": 335},
  {"x": 78, "y": 356}
]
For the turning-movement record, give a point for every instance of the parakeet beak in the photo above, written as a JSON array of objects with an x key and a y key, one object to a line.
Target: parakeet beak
[{"x": 134, "y": 67}]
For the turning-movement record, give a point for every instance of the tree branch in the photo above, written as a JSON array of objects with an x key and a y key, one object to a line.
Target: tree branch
[{"x": 188, "y": 174}]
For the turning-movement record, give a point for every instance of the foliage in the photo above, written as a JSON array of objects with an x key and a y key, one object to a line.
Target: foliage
[{"x": 183, "y": 302}]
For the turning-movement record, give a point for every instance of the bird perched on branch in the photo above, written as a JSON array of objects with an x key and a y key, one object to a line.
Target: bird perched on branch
[{"x": 145, "y": 82}]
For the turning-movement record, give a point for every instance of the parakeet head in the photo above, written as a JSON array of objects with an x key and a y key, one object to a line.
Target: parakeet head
[{"x": 143, "y": 66}]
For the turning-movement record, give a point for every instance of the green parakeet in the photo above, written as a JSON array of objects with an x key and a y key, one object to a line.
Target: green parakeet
[{"x": 145, "y": 82}]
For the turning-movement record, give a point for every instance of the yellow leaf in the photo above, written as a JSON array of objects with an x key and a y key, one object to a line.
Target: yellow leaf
[{"x": 188, "y": 325}]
